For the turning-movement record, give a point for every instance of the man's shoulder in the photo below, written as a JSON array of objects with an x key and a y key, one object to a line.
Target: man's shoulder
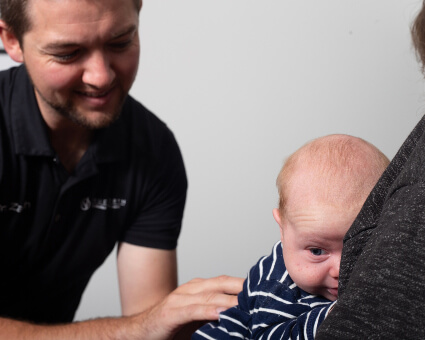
[
  {"x": 10, "y": 81},
  {"x": 8, "y": 78},
  {"x": 10, "y": 74},
  {"x": 144, "y": 130},
  {"x": 136, "y": 115}
]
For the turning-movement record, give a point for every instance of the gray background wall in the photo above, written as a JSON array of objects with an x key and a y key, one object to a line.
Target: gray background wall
[{"x": 243, "y": 84}]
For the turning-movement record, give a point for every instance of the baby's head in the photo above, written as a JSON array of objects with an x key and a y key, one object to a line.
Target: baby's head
[{"x": 322, "y": 187}]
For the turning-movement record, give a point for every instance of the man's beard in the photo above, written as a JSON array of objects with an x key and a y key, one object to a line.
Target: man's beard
[{"x": 68, "y": 110}]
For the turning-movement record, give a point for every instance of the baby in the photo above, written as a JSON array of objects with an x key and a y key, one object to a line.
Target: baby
[{"x": 322, "y": 187}]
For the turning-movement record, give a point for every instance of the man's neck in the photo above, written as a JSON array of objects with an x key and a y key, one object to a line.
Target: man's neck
[
  {"x": 70, "y": 145},
  {"x": 69, "y": 139}
]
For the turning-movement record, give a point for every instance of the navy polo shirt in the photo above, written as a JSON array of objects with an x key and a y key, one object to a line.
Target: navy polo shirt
[{"x": 57, "y": 228}]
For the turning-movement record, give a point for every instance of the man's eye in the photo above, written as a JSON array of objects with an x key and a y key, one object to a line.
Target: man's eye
[
  {"x": 317, "y": 251},
  {"x": 122, "y": 44},
  {"x": 66, "y": 57}
]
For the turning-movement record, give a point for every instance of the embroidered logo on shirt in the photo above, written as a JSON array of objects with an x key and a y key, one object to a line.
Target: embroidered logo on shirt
[
  {"x": 102, "y": 203},
  {"x": 15, "y": 207}
]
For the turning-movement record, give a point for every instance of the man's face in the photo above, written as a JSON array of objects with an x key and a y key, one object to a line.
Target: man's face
[{"x": 82, "y": 57}]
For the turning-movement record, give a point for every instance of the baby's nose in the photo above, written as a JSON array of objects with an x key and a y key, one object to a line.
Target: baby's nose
[{"x": 334, "y": 269}]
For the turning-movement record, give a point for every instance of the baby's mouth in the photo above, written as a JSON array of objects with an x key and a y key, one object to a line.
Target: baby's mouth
[{"x": 333, "y": 291}]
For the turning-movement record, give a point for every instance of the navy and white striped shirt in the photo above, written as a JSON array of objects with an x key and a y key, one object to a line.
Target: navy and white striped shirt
[{"x": 271, "y": 306}]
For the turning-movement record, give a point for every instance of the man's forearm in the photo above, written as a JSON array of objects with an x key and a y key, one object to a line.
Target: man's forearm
[
  {"x": 104, "y": 328},
  {"x": 196, "y": 300}
]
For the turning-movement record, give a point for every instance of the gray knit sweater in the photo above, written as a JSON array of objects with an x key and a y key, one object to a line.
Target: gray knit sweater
[{"x": 382, "y": 276}]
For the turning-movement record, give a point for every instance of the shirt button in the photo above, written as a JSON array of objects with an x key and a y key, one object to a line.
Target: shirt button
[{"x": 57, "y": 218}]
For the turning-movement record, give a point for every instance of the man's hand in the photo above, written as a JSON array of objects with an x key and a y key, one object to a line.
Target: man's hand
[{"x": 197, "y": 300}]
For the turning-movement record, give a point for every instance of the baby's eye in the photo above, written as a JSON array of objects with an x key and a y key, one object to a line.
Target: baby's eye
[{"x": 317, "y": 251}]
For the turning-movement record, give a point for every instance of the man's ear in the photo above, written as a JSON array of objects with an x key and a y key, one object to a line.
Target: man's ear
[
  {"x": 278, "y": 219},
  {"x": 11, "y": 43}
]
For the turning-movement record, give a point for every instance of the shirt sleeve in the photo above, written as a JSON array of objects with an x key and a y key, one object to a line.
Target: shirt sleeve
[{"x": 158, "y": 221}]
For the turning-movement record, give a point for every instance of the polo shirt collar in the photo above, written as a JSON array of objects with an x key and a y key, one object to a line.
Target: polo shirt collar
[
  {"x": 110, "y": 144},
  {"x": 30, "y": 132},
  {"x": 29, "y": 129}
]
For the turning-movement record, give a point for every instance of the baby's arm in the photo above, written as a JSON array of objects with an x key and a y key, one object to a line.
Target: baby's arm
[
  {"x": 237, "y": 324},
  {"x": 303, "y": 326},
  {"x": 270, "y": 305}
]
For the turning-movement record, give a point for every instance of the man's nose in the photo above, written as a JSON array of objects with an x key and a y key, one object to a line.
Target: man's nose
[{"x": 98, "y": 72}]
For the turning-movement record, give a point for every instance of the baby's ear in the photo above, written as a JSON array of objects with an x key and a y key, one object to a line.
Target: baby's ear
[
  {"x": 277, "y": 217},
  {"x": 10, "y": 43}
]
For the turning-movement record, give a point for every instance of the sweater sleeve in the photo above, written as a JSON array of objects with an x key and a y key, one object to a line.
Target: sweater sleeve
[
  {"x": 384, "y": 296},
  {"x": 382, "y": 275}
]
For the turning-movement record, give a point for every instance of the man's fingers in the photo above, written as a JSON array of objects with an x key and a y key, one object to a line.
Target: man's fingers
[
  {"x": 231, "y": 285},
  {"x": 194, "y": 313},
  {"x": 206, "y": 298},
  {"x": 197, "y": 300},
  {"x": 220, "y": 284}
]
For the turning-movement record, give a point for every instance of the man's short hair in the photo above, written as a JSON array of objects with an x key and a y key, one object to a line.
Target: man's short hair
[{"x": 14, "y": 13}]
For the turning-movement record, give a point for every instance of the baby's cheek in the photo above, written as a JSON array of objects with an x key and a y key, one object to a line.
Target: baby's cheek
[
  {"x": 311, "y": 276},
  {"x": 304, "y": 275}
]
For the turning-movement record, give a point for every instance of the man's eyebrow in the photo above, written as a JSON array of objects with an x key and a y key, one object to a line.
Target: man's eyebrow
[
  {"x": 59, "y": 45},
  {"x": 64, "y": 45},
  {"x": 129, "y": 30}
]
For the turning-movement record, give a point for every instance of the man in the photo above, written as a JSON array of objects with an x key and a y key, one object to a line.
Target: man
[{"x": 83, "y": 165}]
